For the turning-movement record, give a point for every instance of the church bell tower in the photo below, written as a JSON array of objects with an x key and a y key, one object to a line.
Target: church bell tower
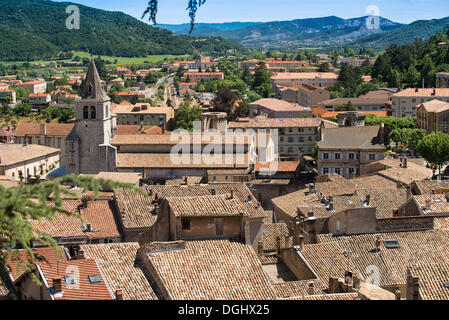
[{"x": 88, "y": 146}]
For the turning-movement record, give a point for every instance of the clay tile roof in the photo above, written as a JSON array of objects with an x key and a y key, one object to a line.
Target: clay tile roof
[
  {"x": 85, "y": 290},
  {"x": 374, "y": 182},
  {"x": 305, "y": 75},
  {"x": 429, "y": 186},
  {"x": 326, "y": 260},
  {"x": 279, "y": 105},
  {"x": 270, "y": 232},
  {"x": 438, "y": 204},
  {"x": 124, "y": 177},
  {"x": 350, "y": 138},
  {"x": 413, "y": 172},
  {"x": 435, "y": 106},
  {"x": 32, "y": 128},
  {"x": 16, "y": 153},
  {"x": 164, "y": 160},
  {"x": 118, "y": 265},
  {"x": 281, "y": 166},
  {"x": 99, "y": 214},
  {"x": 385, "y": 201},
  {"x": 207, "y": 206},
  {"x": 211, "y": 270},
  {"x": 135, "y": 210},
  {"x": 188, "y": 138},
  {"x": 415, "y": 247},
  {"x": 15, "y": 260},
  {"x": 432, "y": 277},
  {"x": 262, "y": 122},
  {"x": 334, "y": 296},
  {"x": 423, "y": 92}
]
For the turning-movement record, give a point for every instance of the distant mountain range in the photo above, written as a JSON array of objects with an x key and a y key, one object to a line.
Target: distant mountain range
[
  {"x": 207, "y": 29},
  {"x": 422, "y": 29},
  {"x": 323, "y": 32},
  {"x": 36, "y": 29}
]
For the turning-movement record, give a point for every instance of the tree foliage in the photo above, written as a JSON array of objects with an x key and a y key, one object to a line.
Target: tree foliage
[
  {"x": 192, "y": 6},
  {"x": 435, "y": 148},
  {"x": 20, "y": 205}
]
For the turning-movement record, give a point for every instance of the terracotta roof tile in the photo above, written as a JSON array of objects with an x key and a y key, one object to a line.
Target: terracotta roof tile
[
  {"x": 99, "y": 214},
  {"x": 118, "y": 265},
  {"x": 217, "y": 269},
  {"x": 32, "y": 128},
  {"x": 84, "y": 289},
  {"x": 16, "y": 153}
]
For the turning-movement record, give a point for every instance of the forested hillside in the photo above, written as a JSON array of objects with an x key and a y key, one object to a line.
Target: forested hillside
[{"x": 37, "y": 30}]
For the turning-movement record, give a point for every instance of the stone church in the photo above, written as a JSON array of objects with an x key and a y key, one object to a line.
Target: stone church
[{"x": 88, "y": 148}]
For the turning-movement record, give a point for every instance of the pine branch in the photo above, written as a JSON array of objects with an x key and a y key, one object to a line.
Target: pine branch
[{"x": 19, "y": 206}]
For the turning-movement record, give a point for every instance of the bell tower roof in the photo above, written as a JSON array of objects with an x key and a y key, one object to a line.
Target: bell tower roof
[{"x": 91, "y": 88}]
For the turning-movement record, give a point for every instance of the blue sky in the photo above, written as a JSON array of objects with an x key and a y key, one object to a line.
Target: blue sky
[{"x": 173, "y": 11}]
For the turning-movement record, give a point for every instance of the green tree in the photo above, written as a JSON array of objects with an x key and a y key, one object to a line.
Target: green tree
[
  {"x": 435, "y": 148},
  {"x": 25, "y": 203},
  {"x": 186, "y": 115}
]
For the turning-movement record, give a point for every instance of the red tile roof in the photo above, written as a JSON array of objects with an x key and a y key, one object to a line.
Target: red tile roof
[
  {"x": 98, "y": 213},
  {"x": 83, "y": 289}
]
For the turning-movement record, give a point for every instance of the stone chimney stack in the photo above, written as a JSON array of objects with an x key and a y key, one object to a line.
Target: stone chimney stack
[
  {"x": 428, "y": 205},
  {"x": 43, "y": 129},
  {"x": 260, "y": 247},
  {"x": 118, "y": 294},
  {"x": 301, "y": 242},
  {"x": 409, "y": 192},
  {"x": 310, "y": 288},
  {"x": 57, "y": 285},
  {"x": 278, "y": 246},
  {"x": 397, "y": 294},
  {"x": 80, "y": 255},
  {"x": 412, "y": 286},
  {"x": 368, "y": 199},
  {"x": 84, "y": 202}
]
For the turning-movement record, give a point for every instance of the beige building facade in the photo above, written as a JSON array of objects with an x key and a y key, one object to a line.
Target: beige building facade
[{"x": 433, "y": 116}]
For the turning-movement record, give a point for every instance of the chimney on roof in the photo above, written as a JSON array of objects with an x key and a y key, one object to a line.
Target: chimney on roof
[
  {"x": 331, "y": 205},
  {"x": 57, "y": 285},
  {"x": 43, "y": 129},
  {"x": 310, "y": 288},
  {"x": 163, "y": 128},
  {"x": 428, "y": 205},
  {"x": 434, "y": 92},
  {"x": 88, "y": 227},
  {"x": 412, "y": 286},
  {"x": 84, "y": 202},
  {"x": 213, "y": 192},
  {"x": 416, "y": 90},
  {"x": 80, "y": 255},
  {"x": 377, "y": 248},
  {"x": 447, "y": 197},
  {"x": 278, "y": 246},
  {"x": 249, "y": 198},
  {"x": 409, "y": 192},
  {"x": 301, "y": 242},
  {"x": 368, "y": 199},
  {"x": 398, "y": 294},
  {"x": 260, "y": 247},
  {"x": 186, "y": 180},
  {"x": 118, "y": 294},
  {"x": 232, "y": 194}
]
